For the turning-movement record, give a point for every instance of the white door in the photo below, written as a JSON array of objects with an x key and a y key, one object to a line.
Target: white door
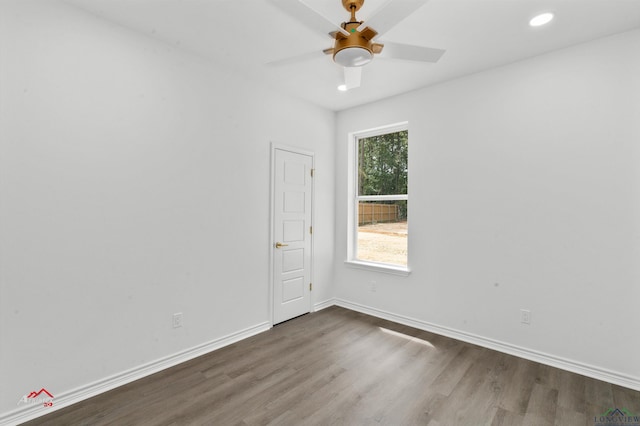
[{"x": 292, "y": 198}]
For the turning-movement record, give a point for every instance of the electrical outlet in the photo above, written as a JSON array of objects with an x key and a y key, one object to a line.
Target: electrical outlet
[
  {"x": 177, "y": 320},
  {"x": 525, "y": 316}
]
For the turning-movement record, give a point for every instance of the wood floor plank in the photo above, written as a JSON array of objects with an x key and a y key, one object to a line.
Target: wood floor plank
[
  {"x": 569, "y": 417},
  {"x": 571, "y": 392},
  {"x": 455, "y": 370},
  {"x": 506, "y": 418},
  {"x": 340, "y": 367},
  {"x": 519, "y": 381},
  {"x": 626, "y": 398},
  {"x": 474, "y": 399},
  {"x": 542, "y": 406}
]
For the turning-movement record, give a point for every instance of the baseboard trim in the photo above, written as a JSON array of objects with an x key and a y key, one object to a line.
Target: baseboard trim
[
  {"x": 323, "y": 305},
  {"x": 532, "y": 355},
  {"x": 81, "y": 393}
]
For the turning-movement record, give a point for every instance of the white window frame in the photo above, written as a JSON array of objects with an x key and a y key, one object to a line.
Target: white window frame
[{"x": 354, "y": 198}]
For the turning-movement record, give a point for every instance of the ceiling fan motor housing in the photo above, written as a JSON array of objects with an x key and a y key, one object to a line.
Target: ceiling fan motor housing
[{"x": 356, "y": 49}]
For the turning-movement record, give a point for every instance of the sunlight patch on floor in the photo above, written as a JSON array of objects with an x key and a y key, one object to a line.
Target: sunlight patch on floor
[{"x": 407, "y": 337}]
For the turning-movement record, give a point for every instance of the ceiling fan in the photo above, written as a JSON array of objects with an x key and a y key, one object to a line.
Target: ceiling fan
[{"x": 355, "y": 42}]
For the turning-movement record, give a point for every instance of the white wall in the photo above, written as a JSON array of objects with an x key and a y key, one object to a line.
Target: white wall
[
  {"x": 524, "y": 192},
  {"x": 134, "y": 183}
]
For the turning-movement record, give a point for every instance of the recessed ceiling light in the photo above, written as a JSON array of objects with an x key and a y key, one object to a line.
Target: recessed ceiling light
[
  {"x": 542, "y": 19},
  {"x": 342, "y": 88}
]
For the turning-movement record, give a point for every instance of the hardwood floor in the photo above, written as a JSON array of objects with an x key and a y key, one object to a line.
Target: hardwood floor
[{"x": 339, "y": 367}]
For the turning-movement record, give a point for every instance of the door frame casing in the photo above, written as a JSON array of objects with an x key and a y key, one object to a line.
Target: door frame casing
[{"x": 272, "y": 185}]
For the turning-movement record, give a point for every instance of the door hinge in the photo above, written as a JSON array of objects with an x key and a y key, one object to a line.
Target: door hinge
[
  {"x": 311, "y": 229},
  {"x": 310, "y": 286},
  {"x": 312, "y": 172}
]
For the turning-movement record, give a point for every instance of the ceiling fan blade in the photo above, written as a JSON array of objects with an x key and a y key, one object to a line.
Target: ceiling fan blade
[
  {"x": 308, "y": 16},
  {"x": 296, "y": 59},
  {"x": 390, "y": 14},
  {"x": 410, "y": 53},
  {"x": 352, "y": 77}
]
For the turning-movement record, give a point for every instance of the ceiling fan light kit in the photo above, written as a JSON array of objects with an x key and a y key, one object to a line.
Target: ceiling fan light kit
[{"x": 353, "y": 56}]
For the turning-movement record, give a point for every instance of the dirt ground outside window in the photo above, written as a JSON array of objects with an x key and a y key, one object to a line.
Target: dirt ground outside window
[{"x": 383, "y": 242}]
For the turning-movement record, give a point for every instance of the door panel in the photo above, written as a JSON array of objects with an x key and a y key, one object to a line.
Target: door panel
[
  {"x": 293, "y": 230},
  {"x": 294, "y": 202},
  {"x": 292, "y": 260},
  {"x": 292, "y": 289},
  {"x": 292, "y": 221}
]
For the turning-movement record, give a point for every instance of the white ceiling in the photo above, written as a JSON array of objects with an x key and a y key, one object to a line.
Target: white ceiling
[{"x": 245, "y": 35}]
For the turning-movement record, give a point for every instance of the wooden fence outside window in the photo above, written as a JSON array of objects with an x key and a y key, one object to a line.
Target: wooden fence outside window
[{"x": 377, "y": 213}]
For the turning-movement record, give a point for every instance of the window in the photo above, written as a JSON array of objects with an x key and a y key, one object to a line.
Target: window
[{"x": 379, "y": 188}]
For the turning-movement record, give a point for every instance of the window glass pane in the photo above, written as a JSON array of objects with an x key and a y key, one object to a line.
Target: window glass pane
[
  {"x": 382, "y": 164},
  {"x": 382, "y": 231}
]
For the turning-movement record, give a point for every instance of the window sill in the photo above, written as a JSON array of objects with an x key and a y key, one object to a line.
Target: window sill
[{"x": 402, "y": 271}]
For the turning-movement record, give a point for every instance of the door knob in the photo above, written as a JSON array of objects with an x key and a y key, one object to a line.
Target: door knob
[{"x": 279, "y": 245}]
